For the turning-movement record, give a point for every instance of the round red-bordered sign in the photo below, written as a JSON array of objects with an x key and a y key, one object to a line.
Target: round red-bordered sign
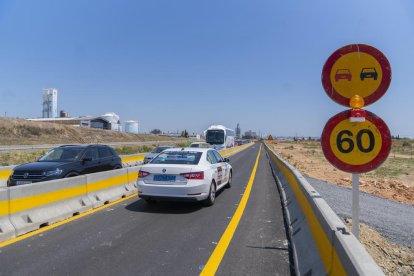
[
  {"x": 341, "y": 83},
  {"x": 356, "y": 147}
]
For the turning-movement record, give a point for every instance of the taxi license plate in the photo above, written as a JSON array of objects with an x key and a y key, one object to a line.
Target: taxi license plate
[
  {"x": 161, "y": 177},
  {"x": 23, "y": 182}
]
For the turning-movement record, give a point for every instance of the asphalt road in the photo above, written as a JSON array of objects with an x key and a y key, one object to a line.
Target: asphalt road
[
  {"x": 392, "y": 219},
  {"x": 135, "y": 238}
]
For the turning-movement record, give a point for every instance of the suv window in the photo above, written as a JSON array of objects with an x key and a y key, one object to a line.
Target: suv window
[
  {"x": 104, "y": 152},
  {"x": 218, "y": 156},
  {"x": 91, "y": 153},
  {"x": 62, "y": 154},
  {"x": 211, "y": 158}
]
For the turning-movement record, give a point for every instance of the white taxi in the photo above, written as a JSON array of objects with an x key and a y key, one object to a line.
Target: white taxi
[{"x": 189, "y": 174}]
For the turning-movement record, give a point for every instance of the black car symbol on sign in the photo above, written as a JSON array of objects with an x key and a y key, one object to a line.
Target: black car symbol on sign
[{"x": 368, "y": 73}]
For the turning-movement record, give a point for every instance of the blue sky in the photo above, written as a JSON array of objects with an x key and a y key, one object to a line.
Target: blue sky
[{"x": 188, "y": 64}]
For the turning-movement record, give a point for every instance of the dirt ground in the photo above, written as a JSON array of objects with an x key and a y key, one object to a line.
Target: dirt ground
[
  {"x": 393, "y": 180},
  {"x": 392, "y": 258}
]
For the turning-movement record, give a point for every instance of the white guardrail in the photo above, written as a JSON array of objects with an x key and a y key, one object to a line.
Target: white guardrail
[
  {"x": 28, "y": 207},
  {"x": 320, "y": 241}
]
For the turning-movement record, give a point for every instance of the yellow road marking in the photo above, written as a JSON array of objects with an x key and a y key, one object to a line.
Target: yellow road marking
[
  {"x": 46, "y": 228},
  {"x": 221, "y": 248}
]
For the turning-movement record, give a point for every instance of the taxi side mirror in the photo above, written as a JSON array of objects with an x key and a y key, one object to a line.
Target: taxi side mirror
[{"x": 227, "y": 160}]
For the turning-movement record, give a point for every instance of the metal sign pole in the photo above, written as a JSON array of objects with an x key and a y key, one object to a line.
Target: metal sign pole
[{"x": 355, "y": 205}]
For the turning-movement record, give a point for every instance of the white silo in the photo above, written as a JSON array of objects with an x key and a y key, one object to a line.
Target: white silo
[
  {"x": 50, "y": 109},
  {"x": 131, "y": 127}
]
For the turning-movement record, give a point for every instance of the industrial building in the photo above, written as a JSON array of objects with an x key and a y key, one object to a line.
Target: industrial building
[
  {"x": 109, "y": 120},
  {"x": 50, "y": 108}
]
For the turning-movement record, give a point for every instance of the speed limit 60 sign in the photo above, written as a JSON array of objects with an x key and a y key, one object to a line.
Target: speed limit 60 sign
[{"x": 356, "y": 147}]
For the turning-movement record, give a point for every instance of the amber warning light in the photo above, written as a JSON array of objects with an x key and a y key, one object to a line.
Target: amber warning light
[{"x": 357, "y": 114}]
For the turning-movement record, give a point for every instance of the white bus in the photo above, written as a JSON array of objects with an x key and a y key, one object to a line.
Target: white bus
[{"x": 219, "y": 137}]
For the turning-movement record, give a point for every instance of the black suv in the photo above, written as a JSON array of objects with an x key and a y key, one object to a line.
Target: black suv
[{"x": 66, "y": 161}]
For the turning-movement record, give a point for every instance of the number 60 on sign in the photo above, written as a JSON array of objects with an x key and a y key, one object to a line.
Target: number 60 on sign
[{"x": 356, "y": 147}]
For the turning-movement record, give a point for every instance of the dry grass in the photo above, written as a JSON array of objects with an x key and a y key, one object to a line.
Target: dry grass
[
  {"x": 22, "y": 132},
  {"x": 15, "y": 157}
]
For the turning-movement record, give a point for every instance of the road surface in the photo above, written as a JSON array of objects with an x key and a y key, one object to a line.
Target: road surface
[{"x": 136, "y": 238}]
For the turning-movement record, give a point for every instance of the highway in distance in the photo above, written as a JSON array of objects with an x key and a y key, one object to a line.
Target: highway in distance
[{"x": 167, "y": 238}]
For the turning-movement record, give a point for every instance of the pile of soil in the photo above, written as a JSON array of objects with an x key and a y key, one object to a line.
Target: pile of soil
[{"x": 392, "y": 258}]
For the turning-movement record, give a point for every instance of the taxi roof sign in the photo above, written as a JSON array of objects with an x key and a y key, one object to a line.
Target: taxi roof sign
[{"x": 356, "y": 69}]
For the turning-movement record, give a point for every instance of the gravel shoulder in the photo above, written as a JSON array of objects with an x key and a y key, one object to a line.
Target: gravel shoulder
[{"x": 394, "y": 220}]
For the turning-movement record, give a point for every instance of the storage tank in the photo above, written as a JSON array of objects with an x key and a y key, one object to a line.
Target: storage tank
[{"x": 131, "y": 127}]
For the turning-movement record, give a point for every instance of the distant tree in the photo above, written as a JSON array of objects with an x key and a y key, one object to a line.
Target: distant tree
[
  {"x": 156, "y": 131},
  {"x": 184, "y": 133}
]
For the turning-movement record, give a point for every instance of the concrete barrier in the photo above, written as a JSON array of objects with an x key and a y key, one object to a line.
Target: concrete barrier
[
  {"x": 127, "y": 161},
  {"x": 234, "y": 150},
  {"x": 105, "y": 187},
  {"x": 320, "y": 240},
  {"x": 7, "y": 230},
  {"x": 133, "y": 159},
  {"x": 28, "y": 207},
  {"x": 40, "y": 204},
  {"x": 133, "y": 177},
  {"x": 5, "y": 172}
]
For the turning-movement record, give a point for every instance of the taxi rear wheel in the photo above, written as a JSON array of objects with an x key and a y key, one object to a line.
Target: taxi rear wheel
[{"x": 211, "y": 195}]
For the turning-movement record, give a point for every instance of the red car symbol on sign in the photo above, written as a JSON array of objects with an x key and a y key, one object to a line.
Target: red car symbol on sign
[{"x": 343, "y": 74}]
